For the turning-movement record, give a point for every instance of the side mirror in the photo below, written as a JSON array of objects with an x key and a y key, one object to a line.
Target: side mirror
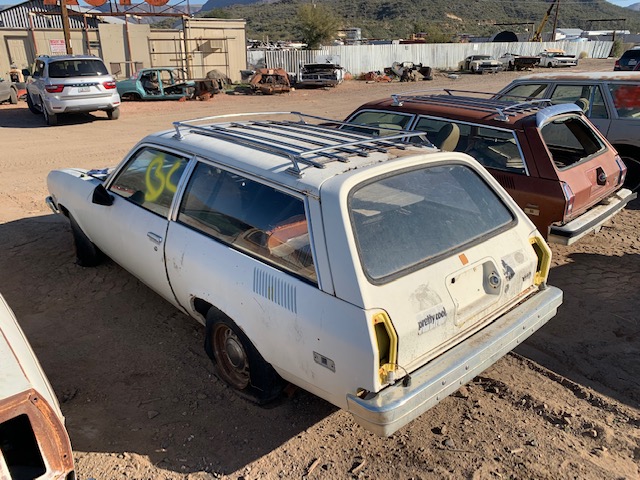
[{"x": 101, "y": 196}]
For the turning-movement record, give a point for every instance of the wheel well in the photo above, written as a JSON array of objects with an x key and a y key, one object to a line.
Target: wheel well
[
  {"x": 202, "y": 307},
  {"x": 628, "y": 150}
]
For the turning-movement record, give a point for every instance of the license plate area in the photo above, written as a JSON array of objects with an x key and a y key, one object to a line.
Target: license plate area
[
  {"x": 84, "y": 89},
  {"x": 474, "y": 290}
]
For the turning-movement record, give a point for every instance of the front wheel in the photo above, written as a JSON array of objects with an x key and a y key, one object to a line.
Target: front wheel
[
  {"x": 13, "y": 97},
  {"x": 237, "y": 361},
  {"x": 87, "y": 254}
]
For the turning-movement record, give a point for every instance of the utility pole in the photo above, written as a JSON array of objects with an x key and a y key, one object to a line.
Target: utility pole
[
  {"x": 64, "y": 14},
  {"x": 555, "y": 22}
]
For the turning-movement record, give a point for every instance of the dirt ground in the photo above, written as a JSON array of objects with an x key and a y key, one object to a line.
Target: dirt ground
[{"x": 139, "y": 395}]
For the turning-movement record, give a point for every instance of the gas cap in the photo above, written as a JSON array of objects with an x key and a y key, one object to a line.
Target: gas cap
[{"x": 494, "y": 280}]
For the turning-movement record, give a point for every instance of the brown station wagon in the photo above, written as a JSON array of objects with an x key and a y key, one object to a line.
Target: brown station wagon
[{"x": 550, "y": 158}]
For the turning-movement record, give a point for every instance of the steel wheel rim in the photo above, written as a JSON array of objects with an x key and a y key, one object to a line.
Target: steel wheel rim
[{"x": 231, "y": 358}]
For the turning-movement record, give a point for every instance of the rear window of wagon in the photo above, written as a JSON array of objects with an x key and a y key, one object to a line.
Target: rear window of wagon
[{"x": 412, "y": 217}]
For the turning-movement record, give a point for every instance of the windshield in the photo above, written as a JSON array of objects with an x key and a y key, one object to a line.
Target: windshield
[{"x": 412, "y": 217}]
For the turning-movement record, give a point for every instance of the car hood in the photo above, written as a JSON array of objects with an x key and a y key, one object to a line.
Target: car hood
[{"x": 20, "y": 370}]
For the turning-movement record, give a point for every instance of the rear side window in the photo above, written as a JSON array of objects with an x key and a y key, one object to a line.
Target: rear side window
[
  {"x": 150, "y": 179},
  {"x": 250, "y": 216},
  {"x": 77, "y": 68},
  {"x": 570, "y": 140},
  {"x": 626, "y": 99},
  {"x": 404, "y": 220}
]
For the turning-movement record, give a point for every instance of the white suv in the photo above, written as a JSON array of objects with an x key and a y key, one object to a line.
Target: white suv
[
  {"x": 71, "y": 84},
  {"x": 375, "y": 274}
]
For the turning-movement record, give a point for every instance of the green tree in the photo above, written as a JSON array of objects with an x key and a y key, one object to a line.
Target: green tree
[{"x": 316, "y": 24}]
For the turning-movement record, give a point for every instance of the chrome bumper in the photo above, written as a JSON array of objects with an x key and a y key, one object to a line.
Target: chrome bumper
[
  {"x": 52, "y": 204},
  {"x": 591, "y": 220},
  {"x": 397, "y": 405}
]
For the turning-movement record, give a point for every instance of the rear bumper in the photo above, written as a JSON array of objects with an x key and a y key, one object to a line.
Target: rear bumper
[
  {"x": 395, "y": 406},
  {"x": 79, "y": 105},
  {"x": 591, "y": 220}
]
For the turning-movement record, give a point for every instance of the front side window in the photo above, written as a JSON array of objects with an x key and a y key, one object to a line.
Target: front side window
[
  {"x": 383, "y": 123},
  {"x": 150, "y": 179},
  {"x": 405, "y": 220},
  {"x": 626, "y": 99},
  {"x": 570, "y": 140},
  {"x": 528, "y": 91},
  {"x": 587, "y": 97},
  {"x": 250, "y": 216}
]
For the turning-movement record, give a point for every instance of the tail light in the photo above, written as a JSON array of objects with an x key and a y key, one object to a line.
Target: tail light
[
  {"x": 569, "y": 198},
  {"x": 387, "y": 343},
  {"x": 623, "y": 170},
  {"x": 109, "y": 85},
  {"x": 543, "y": 252},
  {"x": 54, "y": 88}
]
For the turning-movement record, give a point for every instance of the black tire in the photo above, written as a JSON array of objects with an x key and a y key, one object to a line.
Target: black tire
[
  {"x": 113, "y": 114},
  {"x": 32, "y": 108},
  {"x": 237, "y": 362},
  {"x": 87, "y": 254},
  {"x": 49, "y": 118},
  {"x": 632, "y": 180},
  {"x": 549, "y": 65},
  {"x": 13, "y": 97}
]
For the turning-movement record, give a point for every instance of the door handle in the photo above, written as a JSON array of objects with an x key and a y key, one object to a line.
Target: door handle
[{"x": 157, "y": 239}]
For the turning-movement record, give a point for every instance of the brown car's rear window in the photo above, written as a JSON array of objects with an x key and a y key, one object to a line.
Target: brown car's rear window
[{"x": 570, "y": 140}]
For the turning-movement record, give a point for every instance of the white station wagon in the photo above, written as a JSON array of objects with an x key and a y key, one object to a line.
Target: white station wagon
[{"x": 378, "y": 275}]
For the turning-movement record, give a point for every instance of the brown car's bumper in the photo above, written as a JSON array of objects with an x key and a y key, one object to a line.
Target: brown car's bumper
[{"x": 592, "y": 220}]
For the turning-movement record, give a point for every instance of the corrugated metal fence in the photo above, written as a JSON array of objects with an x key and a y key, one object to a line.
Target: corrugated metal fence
[{"x": 358, "y": 59}]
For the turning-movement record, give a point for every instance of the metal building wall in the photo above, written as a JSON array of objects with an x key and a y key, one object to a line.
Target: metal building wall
[
  {"x": 358, "y": 59},
  {"x": 42, "y": 16}
]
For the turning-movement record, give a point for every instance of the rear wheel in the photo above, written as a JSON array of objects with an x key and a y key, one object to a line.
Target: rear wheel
[
  {"x": 113, "y": 114},
  {"x": 13, "y": 97},
  {"x": 32, "y": 108},
  {"x": 87, "y": 254},
  {"x": 237, "y": 361},
  {"x": 49, "y": 118},
  {"x": 632, "y": 180}
]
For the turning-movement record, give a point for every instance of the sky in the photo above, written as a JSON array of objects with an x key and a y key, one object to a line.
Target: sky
[{"x": 620, "y": 3}]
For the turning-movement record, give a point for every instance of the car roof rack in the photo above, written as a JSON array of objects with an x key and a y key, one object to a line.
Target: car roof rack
[
  {"x": 300, "y": 141},
  {"x": 504, "y": 108}
]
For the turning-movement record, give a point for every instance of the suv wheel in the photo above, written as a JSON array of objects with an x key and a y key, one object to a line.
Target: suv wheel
[
  {"x": 49, "y": 118},
  {"x": 32, "y": 108},
  {"x": 113, "y": 114}
]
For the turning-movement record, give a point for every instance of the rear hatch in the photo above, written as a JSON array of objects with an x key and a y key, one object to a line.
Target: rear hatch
[
  {"x": 445, "y": 254},
  {"x": 585, "y": 164},
  {"x": 80, "y": 79}
]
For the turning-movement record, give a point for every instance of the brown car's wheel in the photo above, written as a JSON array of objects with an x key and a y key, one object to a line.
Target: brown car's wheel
[{"x": 237, "y": 361}]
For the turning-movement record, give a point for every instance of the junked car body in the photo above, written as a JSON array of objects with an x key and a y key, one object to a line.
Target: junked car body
[
  {"x": 556, "y": 165},
  {"x": 375, "y": 274},
  {"x": 33, "y": 440},
  {"x": 158, "y": 83},
  {"x": 611, "y": 100},
  {"x": 552, "y": 58},
  {"x": 325, "y": 72},
  {"x": 8, "y": 92},
  {"x": 482, "y": 64}
]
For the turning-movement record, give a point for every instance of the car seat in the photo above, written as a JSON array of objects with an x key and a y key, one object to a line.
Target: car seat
[{"x": 447, "y": 137}]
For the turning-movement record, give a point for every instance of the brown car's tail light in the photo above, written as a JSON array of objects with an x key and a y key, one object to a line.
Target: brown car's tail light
[
  {"x": 543, "y": 252},
  {"x": 623, "y": 170},
  {"x": 569, "y": 199}
]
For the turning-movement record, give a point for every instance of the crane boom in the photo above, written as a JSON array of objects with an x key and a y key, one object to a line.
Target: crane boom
[{"x": 537, "y": 36}]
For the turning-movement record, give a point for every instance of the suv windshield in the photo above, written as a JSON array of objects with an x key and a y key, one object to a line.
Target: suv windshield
[
  {"x": 403, "y": 220},
  {"x": 77, "y": 68}
]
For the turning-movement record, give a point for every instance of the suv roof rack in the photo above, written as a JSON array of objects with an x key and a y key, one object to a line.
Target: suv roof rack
[
  {"x": 313, "y": 144},
  {"x": 504, "y": 108}
]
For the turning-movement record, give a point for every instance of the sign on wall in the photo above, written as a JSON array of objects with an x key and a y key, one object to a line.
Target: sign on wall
[{"x": 57, "y": 46}]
